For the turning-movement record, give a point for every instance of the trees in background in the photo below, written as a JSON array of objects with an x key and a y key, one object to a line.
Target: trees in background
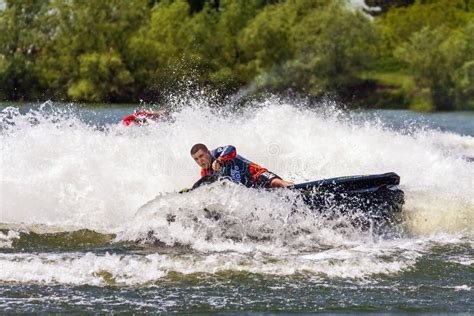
[
  {"x": 87, "y": 57},
  {"x": 23, "y": 33},
  {"x": 124, "y": 51},
  {"x": 332, "y": 45},
  {"x": 435, "y": 40}
]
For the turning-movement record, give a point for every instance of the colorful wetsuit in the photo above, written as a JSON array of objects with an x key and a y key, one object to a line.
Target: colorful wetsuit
[
  {"x": 239, "y": 169},
  {"x": 137, "y": 118}
]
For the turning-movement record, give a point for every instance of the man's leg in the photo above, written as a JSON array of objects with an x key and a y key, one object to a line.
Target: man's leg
[
  {"x": 270, "y": 180},
  {"x": 278, "y": 183}
]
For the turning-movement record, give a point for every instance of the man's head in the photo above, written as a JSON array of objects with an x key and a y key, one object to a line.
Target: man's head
[{"x": 201, "y": 155}]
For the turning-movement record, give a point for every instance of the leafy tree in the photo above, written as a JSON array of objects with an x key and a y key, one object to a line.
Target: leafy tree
[
  {"x": 22, "y": 34},
  {"x": 119, "y": 51},
  {"x": 157, "y": 50},
  {"x": 234, "y": 16},
  {"x": 265, "y": 42},
  {"x": 441, "y": 60},
  {"x": 332, "y": 46},
  {"x": 102, "y": 77},
  {"x": 82, "y": 29},
  {"x": 464, "y": 83},
  {"x": 401, "y": 22}
]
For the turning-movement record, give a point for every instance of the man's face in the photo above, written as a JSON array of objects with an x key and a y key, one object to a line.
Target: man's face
[{"x": 202, "y": 158}]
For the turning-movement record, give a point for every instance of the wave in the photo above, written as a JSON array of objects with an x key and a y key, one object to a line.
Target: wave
[
  {"x": 358, "y": 263},
  {"x": 61, "y": 170}
]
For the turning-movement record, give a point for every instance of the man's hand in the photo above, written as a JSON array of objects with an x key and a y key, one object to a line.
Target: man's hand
[{"x": 216, "y": 165}]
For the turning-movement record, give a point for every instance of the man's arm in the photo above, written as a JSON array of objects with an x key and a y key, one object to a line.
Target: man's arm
[{"x": 226, "y": 153}]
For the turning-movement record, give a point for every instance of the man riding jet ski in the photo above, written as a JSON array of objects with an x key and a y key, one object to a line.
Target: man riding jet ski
[
  {"x": 371, "y": 200},
  {"x": 225, "y": 162}
]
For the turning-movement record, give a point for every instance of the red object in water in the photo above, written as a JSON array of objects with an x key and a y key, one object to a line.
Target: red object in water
[{"x": 137, "y": 118}]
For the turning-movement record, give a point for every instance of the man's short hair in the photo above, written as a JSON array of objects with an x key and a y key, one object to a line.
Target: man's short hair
[{"x": 198, "y": 147}]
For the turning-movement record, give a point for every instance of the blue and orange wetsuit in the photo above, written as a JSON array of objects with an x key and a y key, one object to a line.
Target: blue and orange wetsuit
[{"x": 239, "y": 169}]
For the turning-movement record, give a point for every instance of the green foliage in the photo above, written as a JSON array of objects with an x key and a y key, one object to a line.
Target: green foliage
[
  {"x": 228, "y": 61},
  {"x": 392, "y": 90},
  {"x": 22, "y": 34},
  {"x": 440, "y": 60},
  {"x": 265, "y": 41},
  {"x": 101, "y": 77},
  {"x": 401, "y": 22},
  {"x": 332, "y": 46},
  {"x": 157, "y": 49},
  {"x": 309, "y": 46},
  {"x": 433, "y": 40},
  {"x": 464, "y": 83},
  {"x": 415, "y": 53},
  {"x": 81, "y": 28},
  {"x": 459, "y": 50}
]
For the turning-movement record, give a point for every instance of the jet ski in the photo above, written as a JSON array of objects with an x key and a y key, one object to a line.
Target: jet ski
[{"x": 369, "y": 201}]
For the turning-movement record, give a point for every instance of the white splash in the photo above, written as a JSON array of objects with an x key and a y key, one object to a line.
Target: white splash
[
  {"x": 60, "y": 173},
  {"x": 58, "y": 170}
]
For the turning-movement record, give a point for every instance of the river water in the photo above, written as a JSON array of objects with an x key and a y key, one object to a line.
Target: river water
[{"x": 72, "y": 237}]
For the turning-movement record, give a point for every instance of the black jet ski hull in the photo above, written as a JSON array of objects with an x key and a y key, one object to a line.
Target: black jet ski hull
[{"x": 371, "y": 201}]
